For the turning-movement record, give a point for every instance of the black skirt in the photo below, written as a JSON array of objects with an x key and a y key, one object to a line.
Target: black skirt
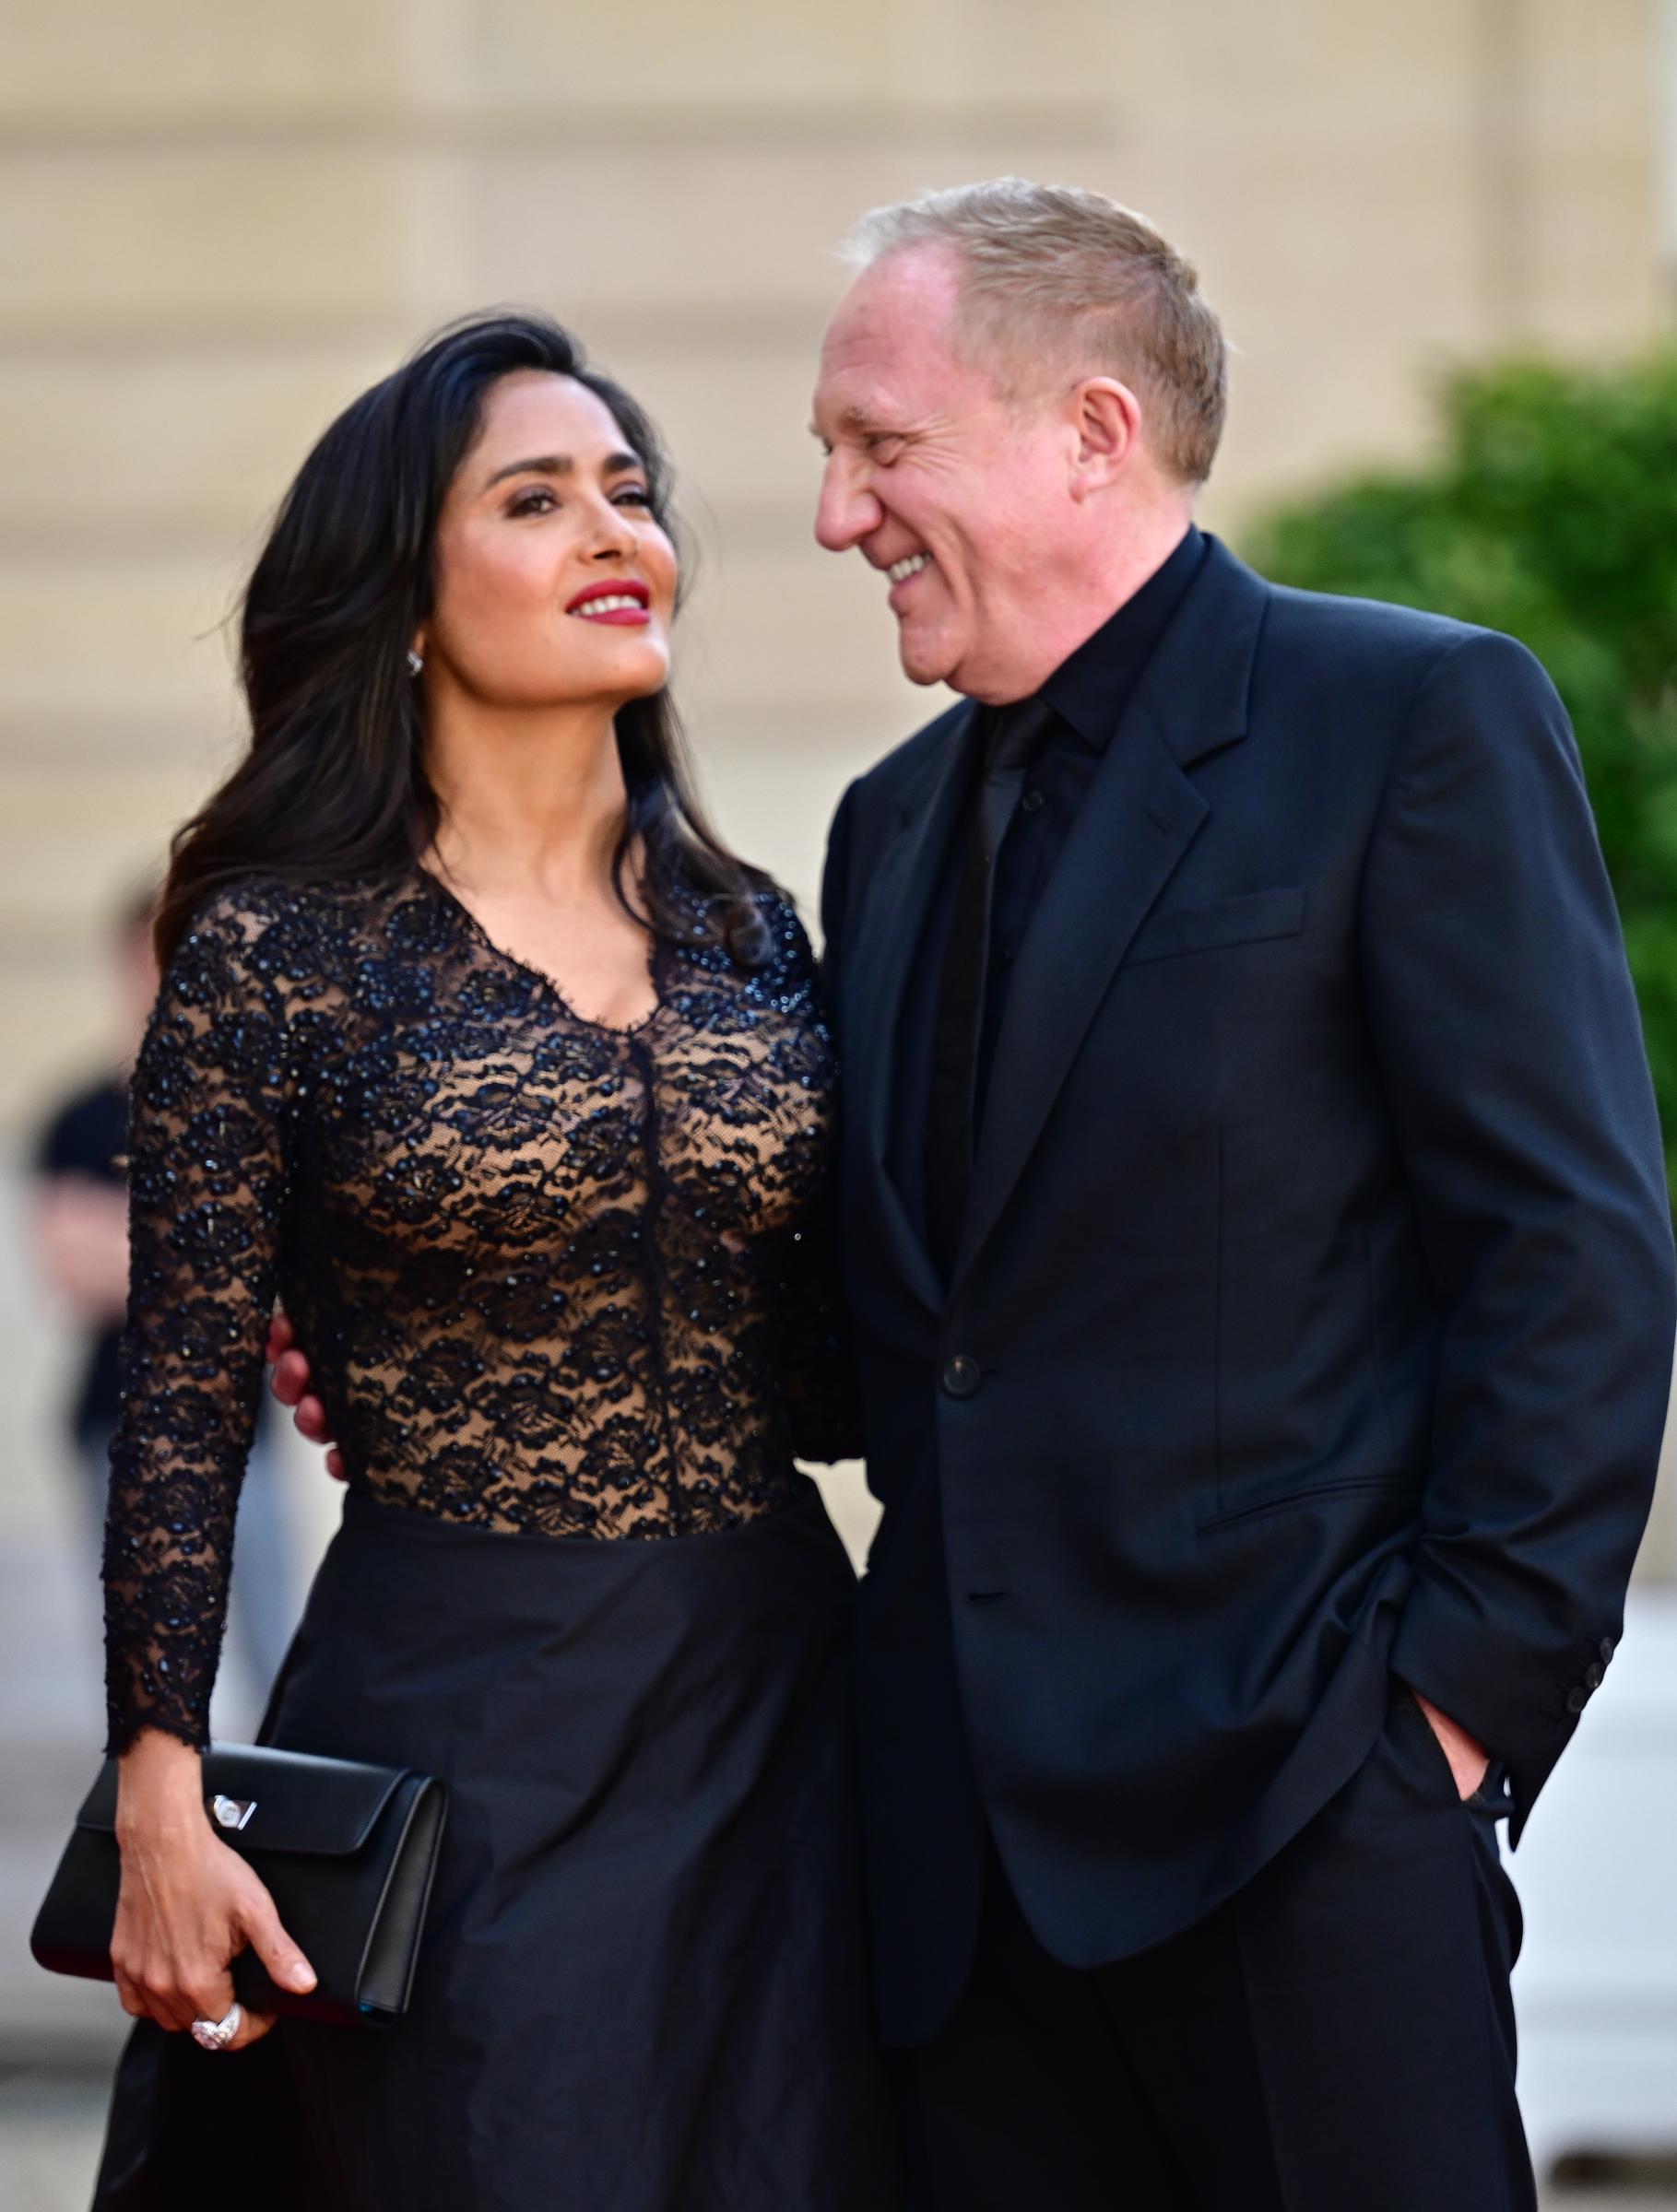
[{"x": 642, "y": 1987}]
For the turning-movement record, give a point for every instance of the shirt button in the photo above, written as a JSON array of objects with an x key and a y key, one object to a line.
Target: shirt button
[
  {"x": 961, "y": 1376},
  {"x": 1032, "y": 801}
]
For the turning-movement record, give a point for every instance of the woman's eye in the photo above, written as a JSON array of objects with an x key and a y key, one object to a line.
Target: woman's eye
[
  {"x": 539, "y": 499},
  {"x": 636, "y": 493}
]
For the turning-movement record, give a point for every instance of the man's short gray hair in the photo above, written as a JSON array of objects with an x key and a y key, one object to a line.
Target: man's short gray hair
[{"x": 1057, "y": 282}]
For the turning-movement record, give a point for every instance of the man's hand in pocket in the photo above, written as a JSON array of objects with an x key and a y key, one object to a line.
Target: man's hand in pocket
[{"x": 1470, "y": 1761}]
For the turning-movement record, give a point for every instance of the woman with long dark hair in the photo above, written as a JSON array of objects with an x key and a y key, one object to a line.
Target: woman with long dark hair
[{"x": 479, "y": 1049}]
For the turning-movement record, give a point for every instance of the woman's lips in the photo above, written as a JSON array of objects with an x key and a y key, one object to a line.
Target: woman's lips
[{"x": 624, "y": 605}]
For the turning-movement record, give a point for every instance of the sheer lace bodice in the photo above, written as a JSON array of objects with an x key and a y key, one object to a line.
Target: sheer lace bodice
[{"x": 554, "y": 1278}]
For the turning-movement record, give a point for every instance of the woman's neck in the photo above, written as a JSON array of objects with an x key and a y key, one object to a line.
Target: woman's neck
[{"x": 527, "y": 802}]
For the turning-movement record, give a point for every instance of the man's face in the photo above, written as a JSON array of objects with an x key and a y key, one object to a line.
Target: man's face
[{"x": 964, "y": 500}]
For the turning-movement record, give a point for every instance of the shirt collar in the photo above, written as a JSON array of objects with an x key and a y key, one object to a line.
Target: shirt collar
[{"x": 1093, "y": 686}]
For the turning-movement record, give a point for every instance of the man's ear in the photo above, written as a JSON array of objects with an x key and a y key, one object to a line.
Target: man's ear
[{"x": 1106, "y": 417}]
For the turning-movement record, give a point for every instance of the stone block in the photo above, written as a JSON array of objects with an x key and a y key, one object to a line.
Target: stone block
[
  {"x": 76, "y": 66},
  {"x": 179, "y": 445},
  {"x": 108, "y": 244},
  {"x": 115, "y": 636}
]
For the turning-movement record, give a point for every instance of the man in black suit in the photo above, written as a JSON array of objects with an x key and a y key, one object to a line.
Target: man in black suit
[{"x": 1259, "y": 1249}]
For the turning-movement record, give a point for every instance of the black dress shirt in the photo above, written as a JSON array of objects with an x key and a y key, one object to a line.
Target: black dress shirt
[{"x": 1089, "y": 692}]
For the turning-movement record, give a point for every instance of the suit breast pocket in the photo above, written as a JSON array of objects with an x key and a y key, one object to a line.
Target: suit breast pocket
[{"x": 1225, "y": 922}]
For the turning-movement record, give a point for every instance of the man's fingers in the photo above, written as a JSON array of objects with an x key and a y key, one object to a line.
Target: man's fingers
[
  {"x": 289, "y": 1380},
  {"x": 310, "y": 1420}
]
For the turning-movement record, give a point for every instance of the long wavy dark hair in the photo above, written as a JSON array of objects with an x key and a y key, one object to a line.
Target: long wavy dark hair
[{"x": 332, "y": 787}]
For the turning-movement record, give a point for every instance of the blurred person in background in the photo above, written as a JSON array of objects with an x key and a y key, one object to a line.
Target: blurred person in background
[
  {"x": 476, "y": 1045},
  {"x": 81, "y": 1241}
]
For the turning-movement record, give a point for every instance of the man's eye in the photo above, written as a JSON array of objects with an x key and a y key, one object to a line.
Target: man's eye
[{"x": 885, "y": 449}]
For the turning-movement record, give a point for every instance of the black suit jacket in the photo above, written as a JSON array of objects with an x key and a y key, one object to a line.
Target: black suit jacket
[{"x": 1313, "y": 1320}]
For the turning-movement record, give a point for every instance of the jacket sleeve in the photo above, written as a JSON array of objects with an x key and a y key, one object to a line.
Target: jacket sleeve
[
  {"x": 1511, "y": 1052},
  {"x": 812, "y": 1325},
  {"x": 835, "y": 890}
]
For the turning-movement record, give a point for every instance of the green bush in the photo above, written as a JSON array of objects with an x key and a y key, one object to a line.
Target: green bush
[{"x": 1551, "y": 513}]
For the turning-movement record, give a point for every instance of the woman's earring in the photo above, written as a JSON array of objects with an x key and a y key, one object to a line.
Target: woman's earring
[{"x": 414, "y": 663}]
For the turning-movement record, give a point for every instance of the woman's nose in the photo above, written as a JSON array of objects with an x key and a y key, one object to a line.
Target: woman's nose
[{"x": 613, "y": 537}]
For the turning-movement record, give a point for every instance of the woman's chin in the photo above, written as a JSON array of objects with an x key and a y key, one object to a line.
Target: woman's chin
[{"x": 638, "y": 667}]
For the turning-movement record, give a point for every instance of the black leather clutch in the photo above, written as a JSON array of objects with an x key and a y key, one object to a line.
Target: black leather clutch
[{"x": 347, "y": 1850}]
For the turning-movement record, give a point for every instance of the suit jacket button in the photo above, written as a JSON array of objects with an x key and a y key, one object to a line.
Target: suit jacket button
[
  {"x": 961, "y": 1376},
  {"x": 1607, "y": 1649},
  {"x": 1577, "y": 1699},
  {"x": 1593, "y": 1675}
]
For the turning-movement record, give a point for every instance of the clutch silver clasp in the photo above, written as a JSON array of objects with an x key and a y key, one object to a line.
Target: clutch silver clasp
[{"x": 232, "y": 1812}]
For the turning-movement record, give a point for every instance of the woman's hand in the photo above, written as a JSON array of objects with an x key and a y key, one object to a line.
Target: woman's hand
[{"x": 188, "y": 1905}]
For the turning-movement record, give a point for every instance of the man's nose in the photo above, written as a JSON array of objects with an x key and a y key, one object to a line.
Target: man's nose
[{"x": 847, "y": 511}]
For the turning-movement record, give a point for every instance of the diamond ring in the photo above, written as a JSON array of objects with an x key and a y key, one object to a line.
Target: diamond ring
[{"x": 215, "y": 2035}]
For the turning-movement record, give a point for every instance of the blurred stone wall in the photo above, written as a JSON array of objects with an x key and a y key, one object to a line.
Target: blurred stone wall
[{"x": 218, "y": 220}]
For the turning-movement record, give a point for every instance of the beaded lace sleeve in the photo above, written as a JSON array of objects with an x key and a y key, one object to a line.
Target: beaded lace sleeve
[{"x": 206, "y": 1178}]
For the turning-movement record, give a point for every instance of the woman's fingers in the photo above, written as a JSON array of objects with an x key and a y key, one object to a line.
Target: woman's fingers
[
  {"x": 209, "y": 1995},
  {"x": 287, "y": 1966},
  {"x": 335, "y": 1466},
  {"x": 157, "y": 1994},
  {"x": 281, "y": 1336},
  {"x": 253, "y": 2027},
  {"x": 134, "y": 2002}
]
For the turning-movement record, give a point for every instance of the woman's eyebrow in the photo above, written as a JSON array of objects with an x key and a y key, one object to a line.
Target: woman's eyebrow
[{"x": 562, "y": 464}]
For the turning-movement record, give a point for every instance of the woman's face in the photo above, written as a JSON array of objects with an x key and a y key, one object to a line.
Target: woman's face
[{"x": 554, "y": 585}]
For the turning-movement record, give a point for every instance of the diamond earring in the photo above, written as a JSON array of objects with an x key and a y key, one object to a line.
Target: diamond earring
[{"x": 414, "y": 663}]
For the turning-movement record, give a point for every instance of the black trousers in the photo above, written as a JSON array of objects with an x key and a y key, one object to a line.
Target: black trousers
[{"x": 1339, "y": 2037}]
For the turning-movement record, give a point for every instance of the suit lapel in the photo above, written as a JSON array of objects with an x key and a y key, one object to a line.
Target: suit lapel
[
  {"x": 1139, "y": 818},
  {"x": 888, "y": 939}
]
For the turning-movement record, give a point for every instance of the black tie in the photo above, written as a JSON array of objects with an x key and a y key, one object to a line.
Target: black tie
[{"x": 950, "y": 1136}]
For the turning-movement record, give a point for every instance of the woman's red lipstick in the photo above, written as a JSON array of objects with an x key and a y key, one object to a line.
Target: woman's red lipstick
[{"x": 624, "y": 601}]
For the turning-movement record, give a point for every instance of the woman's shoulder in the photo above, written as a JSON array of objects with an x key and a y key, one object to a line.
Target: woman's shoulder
[
  {"x": 784, "y": 925},
  {"x": 753, "y": 936},
  {"x": 785, "y": 970},
  {"x": 250, "y": 903},
  {"x": 278, "y": 932}
]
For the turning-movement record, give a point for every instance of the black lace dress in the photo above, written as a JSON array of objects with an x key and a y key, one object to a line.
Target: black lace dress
[{"x": 563, "y": 1290}]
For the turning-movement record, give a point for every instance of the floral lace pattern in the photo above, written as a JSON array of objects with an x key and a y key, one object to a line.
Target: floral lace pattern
[{"x": 553, "y": 1278}]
